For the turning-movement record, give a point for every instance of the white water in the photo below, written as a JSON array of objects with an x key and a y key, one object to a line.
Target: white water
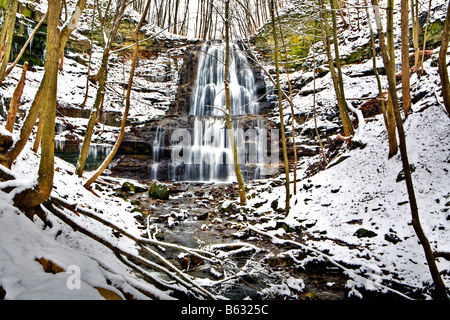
[{"x": 205, "y": 154}]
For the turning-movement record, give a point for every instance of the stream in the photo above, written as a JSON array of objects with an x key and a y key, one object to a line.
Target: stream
[{"x": 190, "y": 218}]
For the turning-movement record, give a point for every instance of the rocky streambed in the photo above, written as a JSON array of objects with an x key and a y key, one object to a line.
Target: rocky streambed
[{"x": 208, "y": 216}]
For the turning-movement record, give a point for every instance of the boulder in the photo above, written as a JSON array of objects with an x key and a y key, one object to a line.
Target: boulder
[
  {"x": 158, "y": 190},
  {"x": 364, "y": 233}
]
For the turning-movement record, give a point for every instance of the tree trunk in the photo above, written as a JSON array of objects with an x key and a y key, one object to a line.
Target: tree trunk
[
  {"x": 113, "y": 152},
  {"x": 440, "y": 291},
  {"x": 406, "y": 90},
  {"x": 237, "y": 167},
  {"x": 33, "y": 113},
  {"x": 393, "y": 147},
  {"x": 102, "y": 75},
  {"x": 416, "y": 25},
  {"x": 442, "y": 63},
  {"x": 291, "y": 103},
  {"x": 280, "y": 107},
  {"x": 338, "y": 87},
  {"x": 25, "y": 46},
  {"x": 15, "y": 101},
  {"x": 30, "y": 198},
  {"x": 346, "y": 122},
  {"x": 8, "y": 33}
]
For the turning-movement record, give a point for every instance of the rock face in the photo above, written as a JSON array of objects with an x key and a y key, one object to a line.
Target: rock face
[{"x": 147, "y": 149}]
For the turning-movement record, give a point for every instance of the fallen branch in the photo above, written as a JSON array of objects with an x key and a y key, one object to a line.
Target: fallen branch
[
  {"x": 349, "y": 272},
  {"x": 175, "y": 274}
]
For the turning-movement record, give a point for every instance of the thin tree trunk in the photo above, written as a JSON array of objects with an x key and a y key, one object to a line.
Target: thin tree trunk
[
  {"x": 442, "y": 63},
  {"x": 344, "y": 113},
  {"x": 440, "y": 291},
  {"x": 11, "y": 67},
  {"x": 113, "y": 152},
  {"x": 393, "y": 148},
  {"x": 406, "y": 90},
  {"x": 9, "y": 22},
  {"x": 345, "y": 119},
  {"x": 96, "y": 108},
  {"x": 237, "y": 167},
  {"x": 322, "y": 151},
  {"x": 280, "y": 107},
  {"x": 425, "y": 39},
  {"x": 375, "y": 71},
  {"x": 415, "y": 24},
  {"x": 15, "y": 101},
  {"x": 291, "y": 103},
  {"x": 33, "y": 113}
]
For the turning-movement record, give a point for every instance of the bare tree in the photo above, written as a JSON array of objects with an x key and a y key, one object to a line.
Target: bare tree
[
  {"x": 101, "y": 76},
  {"x": 237, "y": 167},
  {"x": 40, "y": 192},
  {"x": 6, "y": 36},
  {"x": 442, "y": 62},
  {"x": 134, "y": 59},
  {"x": 280, "y": 106}
]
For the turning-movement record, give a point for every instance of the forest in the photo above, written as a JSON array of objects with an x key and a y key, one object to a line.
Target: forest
[{"x": 224, "y": 150}]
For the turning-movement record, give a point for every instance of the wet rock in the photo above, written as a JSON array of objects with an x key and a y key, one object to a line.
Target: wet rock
[
  {"x": 129, "y": 187},
  {"x": 364, "y": 233},
  {"x": 158, "y": 190}
]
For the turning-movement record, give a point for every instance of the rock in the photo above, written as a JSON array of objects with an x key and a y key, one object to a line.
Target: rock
[
  {"x": 2, "y": 293},
  {"x": 158, "y": 190},
  {"x": 364, "y": 233},
  {"x": 335, "y": 190},
  {"x": 225, "y": 206},
  {"x": 129, "y": 187},
  {"x": 392, "y": 237}
]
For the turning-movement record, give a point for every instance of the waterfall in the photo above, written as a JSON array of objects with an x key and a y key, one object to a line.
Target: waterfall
[
  {"x": 203, "y": 152},
  {"x": 208, "y": 98}
]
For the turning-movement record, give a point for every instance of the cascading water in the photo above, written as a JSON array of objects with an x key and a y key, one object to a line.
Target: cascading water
[{"x": 205, "y": 154}]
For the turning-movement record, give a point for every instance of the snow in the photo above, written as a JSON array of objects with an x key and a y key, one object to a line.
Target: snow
[{"x": 359, "y": 192}]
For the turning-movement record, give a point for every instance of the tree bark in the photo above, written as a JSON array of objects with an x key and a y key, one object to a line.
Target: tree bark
[
  {"x": 442, "y": 63},
  {"x": 280, "y": 107},
  {"x": 102, "y": 75},
  {"x": 15, "y": 101},
  {"x": 393, "y": 147},
  {"x": 406, "y": 89},
  {"x": 8, "y": 33},
  {"x": 32, "y": 197}
]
